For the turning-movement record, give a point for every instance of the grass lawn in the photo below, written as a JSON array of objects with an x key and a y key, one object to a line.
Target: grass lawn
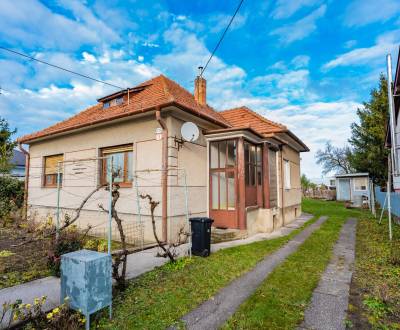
[
  {"x": 279, "y": 303},
  {"x": 161, "y": 297},
  {"x": 375, "y": 290}
]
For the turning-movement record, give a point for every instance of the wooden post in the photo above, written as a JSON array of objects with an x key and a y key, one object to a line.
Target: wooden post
[
  {"x": 241, "y": 196},
  {"x": 265, "y": 171}
]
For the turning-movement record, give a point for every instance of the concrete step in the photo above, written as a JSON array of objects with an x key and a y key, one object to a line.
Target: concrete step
[{"x": 219, "y": 235}]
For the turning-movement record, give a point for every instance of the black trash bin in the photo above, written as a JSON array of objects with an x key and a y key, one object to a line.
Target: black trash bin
[{"x": 201, "y": 236}]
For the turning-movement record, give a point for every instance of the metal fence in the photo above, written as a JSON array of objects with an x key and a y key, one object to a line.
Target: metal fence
[
  {"x": 80, "y": 177},
  {"x": 394, "y": 197}
]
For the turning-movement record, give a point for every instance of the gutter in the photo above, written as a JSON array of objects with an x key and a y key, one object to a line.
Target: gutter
[
  {"x": 164, "y": 175},
  {"x": 27, "y": 165}
]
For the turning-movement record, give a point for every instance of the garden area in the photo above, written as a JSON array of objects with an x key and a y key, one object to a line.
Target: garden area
[{"x": 159, "y": 298}]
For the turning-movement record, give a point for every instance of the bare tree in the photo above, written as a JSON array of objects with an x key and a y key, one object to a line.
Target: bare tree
[
  {"x": 169, "y": 250},
  {"x": 121, "y": 256},
  {"x": 334, "y": 159}
]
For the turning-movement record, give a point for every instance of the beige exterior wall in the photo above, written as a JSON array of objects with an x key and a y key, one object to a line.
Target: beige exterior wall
[
  {"x": 82, "y": 177},
  {"x": 289, "y": 200}
]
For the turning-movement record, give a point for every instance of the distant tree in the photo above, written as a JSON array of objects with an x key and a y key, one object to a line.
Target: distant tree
[
  {"x": 368, "y": 137},
  {"x": 334, "y": 159},
  {"x": 305, "y": 182},
  {"x": 7, "y": 146}
]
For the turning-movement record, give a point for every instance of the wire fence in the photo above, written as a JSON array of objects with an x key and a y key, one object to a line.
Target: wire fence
[{"x": 81, "y": 178}]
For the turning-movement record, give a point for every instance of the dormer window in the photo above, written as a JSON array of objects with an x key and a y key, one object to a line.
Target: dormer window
[{"x": 117, "y": 101}]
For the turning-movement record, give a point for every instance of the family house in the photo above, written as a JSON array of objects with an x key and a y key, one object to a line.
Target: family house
[{"x": 243, "y": 171}]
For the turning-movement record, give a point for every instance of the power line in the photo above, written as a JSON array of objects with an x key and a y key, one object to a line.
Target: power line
[
  {"x": 59, "y": 67},
  {"x": 222, "y": 36}
]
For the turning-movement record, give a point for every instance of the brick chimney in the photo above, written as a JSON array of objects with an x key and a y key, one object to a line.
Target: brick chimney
[{"x": 200, "y": 89}]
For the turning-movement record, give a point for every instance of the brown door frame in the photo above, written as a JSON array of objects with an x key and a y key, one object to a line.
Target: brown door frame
[{"x": 223, "y": 217}]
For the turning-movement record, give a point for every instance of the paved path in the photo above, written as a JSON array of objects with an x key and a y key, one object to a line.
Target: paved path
[
  {"x": 138, "y": 263},
  {"x": 214, "y": 312},
  {"x": 328, "y": 308}
]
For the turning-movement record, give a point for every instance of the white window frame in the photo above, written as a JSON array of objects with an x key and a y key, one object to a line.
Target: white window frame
[
  {"x": 366, "y": 184},
  {"x": 286, "y": 174}
]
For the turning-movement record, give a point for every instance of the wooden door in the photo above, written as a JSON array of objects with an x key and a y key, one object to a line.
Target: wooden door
[{"x": 222, "y": 183}]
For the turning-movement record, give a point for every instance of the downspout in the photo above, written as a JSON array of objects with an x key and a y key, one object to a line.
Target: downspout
[
  {"x": 164, "y": 175},
  {"x": 27, "y": 165},
  {"x": 282, "y": 186}
]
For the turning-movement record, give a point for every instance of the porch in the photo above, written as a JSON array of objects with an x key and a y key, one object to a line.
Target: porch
[{"x": 241, "y": 169}]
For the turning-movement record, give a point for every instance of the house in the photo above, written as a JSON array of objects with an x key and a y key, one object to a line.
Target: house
[
  {"x": 394, "y": 136},
  {"x": 328, "y": 182},
  {"x": 353, "y": 187},
  {"x": 243, "y": 171},
  {"x": 18, "y": 165},
  {"x": 18, "y": 162}
]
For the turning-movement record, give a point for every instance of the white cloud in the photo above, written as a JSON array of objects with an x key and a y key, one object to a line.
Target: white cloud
[
  {"x": 89, "y": 57},
  {"x": 363, "y": 12},
  {"x": 386, "y": 43},
  {"x": 219, "y": 22},
  {"x": 35, "y": 25},
  {"x": 350, "y": 43},
  {"x": 140, "y": 58},
  {"x": 323, "y": 116},
  {"x": 300, "y": 29},
  {"x": 286, "y": 8},
  {"x": 300, "y": 61}
]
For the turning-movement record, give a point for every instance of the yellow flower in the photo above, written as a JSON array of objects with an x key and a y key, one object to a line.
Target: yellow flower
[
  {"x": 36, "y": 301},
  {"x": 28, "y": 306},
  {"x": 49, "y": 316},
  {"x": 15, "y": 317},
  {"x": 56, "y": 310}
]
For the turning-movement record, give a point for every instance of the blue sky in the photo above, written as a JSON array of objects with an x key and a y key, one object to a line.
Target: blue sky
[{"x": 306, "y": 63}]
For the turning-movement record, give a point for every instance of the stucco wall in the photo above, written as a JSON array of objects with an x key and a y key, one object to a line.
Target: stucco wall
[
  {"x": 81, "y": 177},
  {"x": 289, "y": 200}
]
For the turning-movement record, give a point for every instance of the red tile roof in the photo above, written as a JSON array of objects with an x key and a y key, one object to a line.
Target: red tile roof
[
  {"x": 243, "y": 116},
  {"x": 159, "y": 91}
]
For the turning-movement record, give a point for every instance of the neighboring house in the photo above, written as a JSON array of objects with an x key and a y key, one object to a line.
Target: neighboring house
[
  {"x": 18, "y": 165},
  {"x": 353, "y": 187},
  {"x": 329, "y": 182},
  {"x": 243, "y": 171},
  {"x": 396, "y": 134}
]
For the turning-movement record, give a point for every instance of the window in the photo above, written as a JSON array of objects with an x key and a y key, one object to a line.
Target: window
[
  {"x": 253, "y": 164},
  {"x": 222, "y": 174},
  {"x": 287, "y": 174},
  {"x": 360, "y": 184},
  {"x": 117, "y": 101},
  {"x": 332, "y": 183},
  {"x": 122, "y": 164},
  {"x": 51, "y": 170}
]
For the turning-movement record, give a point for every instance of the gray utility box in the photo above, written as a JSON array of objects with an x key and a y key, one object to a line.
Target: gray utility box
[{"x": 86, "y": 279}]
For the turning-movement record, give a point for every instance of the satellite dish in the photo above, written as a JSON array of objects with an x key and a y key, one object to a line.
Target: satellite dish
[{"x": 190, "y": 131}]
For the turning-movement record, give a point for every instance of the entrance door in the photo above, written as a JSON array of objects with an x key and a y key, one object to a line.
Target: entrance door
[
  {"x": 253, "y": 174},
  {"x": 223, "y": 177},
  {"x": 344, "y": 192}
]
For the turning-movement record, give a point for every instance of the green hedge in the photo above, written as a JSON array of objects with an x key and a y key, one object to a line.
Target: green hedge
[{"x": 11, "y": 195}]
